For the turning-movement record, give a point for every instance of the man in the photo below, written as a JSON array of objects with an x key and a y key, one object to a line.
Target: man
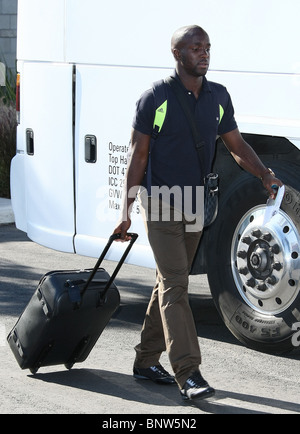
[{"x": 169, "y": 323}]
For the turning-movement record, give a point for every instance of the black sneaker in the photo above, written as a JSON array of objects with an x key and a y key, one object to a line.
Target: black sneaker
[
  {"x": 155, "y": 373},
  {"x": 196, "y": 387}
]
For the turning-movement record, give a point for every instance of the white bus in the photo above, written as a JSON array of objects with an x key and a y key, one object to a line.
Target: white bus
[{"x": 82, "y": 66}]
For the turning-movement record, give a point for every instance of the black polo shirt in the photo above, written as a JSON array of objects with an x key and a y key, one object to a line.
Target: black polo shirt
[{"x": 174, "y": 158}]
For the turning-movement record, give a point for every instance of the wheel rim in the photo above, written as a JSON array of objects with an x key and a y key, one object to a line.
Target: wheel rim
[{"x": 265, "y": 261}]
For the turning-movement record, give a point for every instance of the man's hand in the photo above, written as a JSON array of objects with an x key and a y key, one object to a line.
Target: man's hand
[
  {"x": 122, "y": 229},
  {"x": 269, "y": 181}
]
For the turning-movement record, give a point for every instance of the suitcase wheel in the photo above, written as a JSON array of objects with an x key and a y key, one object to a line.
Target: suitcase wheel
[{"x": 69, "y": 365}]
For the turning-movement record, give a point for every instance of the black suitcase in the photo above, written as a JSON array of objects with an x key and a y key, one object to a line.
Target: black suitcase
[{"x": 66, "y": 315}]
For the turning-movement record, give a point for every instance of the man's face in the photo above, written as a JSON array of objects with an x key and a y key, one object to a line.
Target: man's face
[{"x": 194, "y": 55}]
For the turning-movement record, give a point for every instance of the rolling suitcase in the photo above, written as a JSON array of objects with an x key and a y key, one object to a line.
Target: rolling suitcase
[{"x": 66, "y": 315}]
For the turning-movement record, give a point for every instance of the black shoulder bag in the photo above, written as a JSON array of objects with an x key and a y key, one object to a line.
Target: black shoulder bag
[{"x": 211, "y": 181}]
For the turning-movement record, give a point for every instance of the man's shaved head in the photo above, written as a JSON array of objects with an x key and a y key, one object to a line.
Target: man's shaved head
[
  {"x": 191, "y": 51},
  {"x": 183, "y": 34}
]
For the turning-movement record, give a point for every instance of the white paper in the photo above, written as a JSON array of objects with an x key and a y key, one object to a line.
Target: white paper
[{"x": 273, "y": 206}]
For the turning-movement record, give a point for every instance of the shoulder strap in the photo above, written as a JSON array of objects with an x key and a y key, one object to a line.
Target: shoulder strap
[
  {"x": 182, "y": 98},
  {"x": 161, "y": 104}
]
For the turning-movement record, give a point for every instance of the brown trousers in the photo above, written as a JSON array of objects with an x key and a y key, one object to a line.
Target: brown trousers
[{"x": 169, "y": 324}]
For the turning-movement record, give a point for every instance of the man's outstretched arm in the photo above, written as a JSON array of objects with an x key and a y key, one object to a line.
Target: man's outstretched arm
[{"x": 247, "y": 158}]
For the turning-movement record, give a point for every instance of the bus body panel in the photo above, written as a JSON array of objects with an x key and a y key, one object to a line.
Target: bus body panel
[
  {"x": 83, "y": 66},
  {"x": 48, "y": 166}
]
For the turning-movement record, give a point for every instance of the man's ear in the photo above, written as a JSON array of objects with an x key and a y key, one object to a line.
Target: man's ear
[{"x": 176, "y": 54}]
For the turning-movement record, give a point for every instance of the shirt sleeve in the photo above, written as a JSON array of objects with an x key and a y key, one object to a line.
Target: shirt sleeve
[
  {"x": 144, "y": 114},
  {"x": 228, "y": 122}
]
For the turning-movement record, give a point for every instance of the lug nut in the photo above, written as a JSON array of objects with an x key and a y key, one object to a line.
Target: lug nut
[
  {"x": 247, "y": 240},
  {"x": 267, "y": 237},
  {"x": 262, "y": 287},
  {"x": 257, "y": 233},
  {"x": 251, "y": 282},
  {"x": 242, "y": 254},
  {"x": 244, "y": 271},
  {"x": 272, "y": 280},
  {"x": 275, "y": 249},
  {"x": 277, "y": 266}
]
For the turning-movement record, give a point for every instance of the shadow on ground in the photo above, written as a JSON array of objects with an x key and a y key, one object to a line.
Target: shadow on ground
[{"x": 125, "y": 387}]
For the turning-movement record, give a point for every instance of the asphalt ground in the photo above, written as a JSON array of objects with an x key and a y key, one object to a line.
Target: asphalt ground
[{"x": 246, "y": 381}]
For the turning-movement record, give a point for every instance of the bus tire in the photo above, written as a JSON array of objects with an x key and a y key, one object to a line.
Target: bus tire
[{"x": 254, "y": 270}]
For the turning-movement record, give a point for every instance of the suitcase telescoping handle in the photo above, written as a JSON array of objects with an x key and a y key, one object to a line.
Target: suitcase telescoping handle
[{"x": 112, "y": 238}]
